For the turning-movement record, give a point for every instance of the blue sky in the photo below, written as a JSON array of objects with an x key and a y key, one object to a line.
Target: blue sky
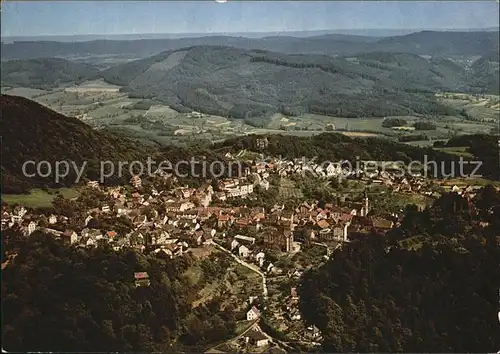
[{"x": 128, "y": 17}]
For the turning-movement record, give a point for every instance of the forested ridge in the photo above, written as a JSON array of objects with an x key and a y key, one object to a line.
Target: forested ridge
[
  {"x": 58, "y": 298},
  {"x": 253, "y": 84},
  {"x": 32, "y": 132},
  {"x": 45, "y": 73},
  {"x": 429, "y": 286},
  {"x": 442, "y": 43}
]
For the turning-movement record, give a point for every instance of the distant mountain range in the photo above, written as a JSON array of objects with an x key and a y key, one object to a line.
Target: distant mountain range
[
  {"x": 423, "y": 43},
  {"x": 252, "y": 84},
  {"x": 334, "y": 74},
  {"x": 299, "y": 34}
]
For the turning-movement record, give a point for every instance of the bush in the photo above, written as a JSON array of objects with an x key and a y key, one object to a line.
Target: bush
[
  {"x": 393, "y": 122},
  {"x": 439, "y": 144},
  {"x": 412, "y": 137},
  {"x": 424, "y": 125}
]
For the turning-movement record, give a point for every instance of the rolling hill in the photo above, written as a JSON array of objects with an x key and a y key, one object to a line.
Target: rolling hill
[
  {"x": 45, "y": 73},
  {"x": 486, "y": 72},
  {"x": 31, "y": 131},
  {"x": 253, "y": 83},
  {"x": 424, "y": 42},
  {"x": 442, "y": 43}
]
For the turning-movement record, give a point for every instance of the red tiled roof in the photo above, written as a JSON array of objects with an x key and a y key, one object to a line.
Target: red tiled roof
[
  {"x": 323, "y": 224},
  {"x": 255, "y": 310},
  {"x": 141, "y": 275}
]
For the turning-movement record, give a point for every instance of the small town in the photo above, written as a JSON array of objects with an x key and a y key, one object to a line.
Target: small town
[
  {"x": 250, "y": 176},
  {"x": 266, "y": 239}
]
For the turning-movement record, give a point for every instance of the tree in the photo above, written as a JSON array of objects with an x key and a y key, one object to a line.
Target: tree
[
  {"x": 424, "y": 125},
  {"x": 393, "y": 122},
  {"x": 403, "y": 291}
]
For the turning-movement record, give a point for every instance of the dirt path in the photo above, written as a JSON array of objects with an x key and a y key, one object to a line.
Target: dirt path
[{"x": 252, "y": 267}]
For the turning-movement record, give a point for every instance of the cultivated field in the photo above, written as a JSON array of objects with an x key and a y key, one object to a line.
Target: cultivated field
[
  {"x": 38, "y": 198},
  {"x": 103, "y": 106},
  {"x": 482, "y": 108}
]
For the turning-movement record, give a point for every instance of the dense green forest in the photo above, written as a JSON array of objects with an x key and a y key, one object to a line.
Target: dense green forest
[
  {"x": 253, "y": 84},
  {"x": 34, "y": 132},
  {"x": 58, "y": 298},
  {"x": 394, "y": 122},
  {"x": 45, "y": 73},
  {"x": 429, "y": 286},
  {"x": 487, "y": 72},
  {"x": 425, "y": 125},
  {"x": 37, "y": 133}
]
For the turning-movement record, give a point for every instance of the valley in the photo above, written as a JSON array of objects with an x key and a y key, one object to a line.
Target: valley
[
  {"x": 208, "y": 93},
  {"x": 313, "y": 191},
  {"x": 103, "y": 106}
]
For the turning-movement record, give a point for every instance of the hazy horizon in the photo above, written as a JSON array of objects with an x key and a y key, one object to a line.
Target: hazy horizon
[{"x": 91, "y": 18}]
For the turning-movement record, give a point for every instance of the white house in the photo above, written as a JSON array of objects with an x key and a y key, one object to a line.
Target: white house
[
  {"x": 243, "y": 251},
  {"x": 246, "y": 189},
  {"x": 270, "y": 266},
  {"x": 260, "y": 256},
  {"x": 70, "y": 235},
  {"x": 20, "y": 211},
  {"x": 93, "y": 184},
  {"x": 234, "y": 244},
  {"x": 31, "y": 227},
  {"x": 333, "y": 170},
  {"x": 87, "y": 219},
  {"x": 257, "y": 338},
  {"x": 253, "y": 314},
  {"x": 52, "y": 219}
]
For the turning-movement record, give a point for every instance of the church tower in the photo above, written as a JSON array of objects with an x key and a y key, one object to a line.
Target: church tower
[{"x": 367, "y": 204}]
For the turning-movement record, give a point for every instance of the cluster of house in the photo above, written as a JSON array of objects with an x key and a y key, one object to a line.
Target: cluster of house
[
  {"x": 291, "y": 305},
  {"x": 387, "y": 173},
  {"x": 171, "y": 222}
]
